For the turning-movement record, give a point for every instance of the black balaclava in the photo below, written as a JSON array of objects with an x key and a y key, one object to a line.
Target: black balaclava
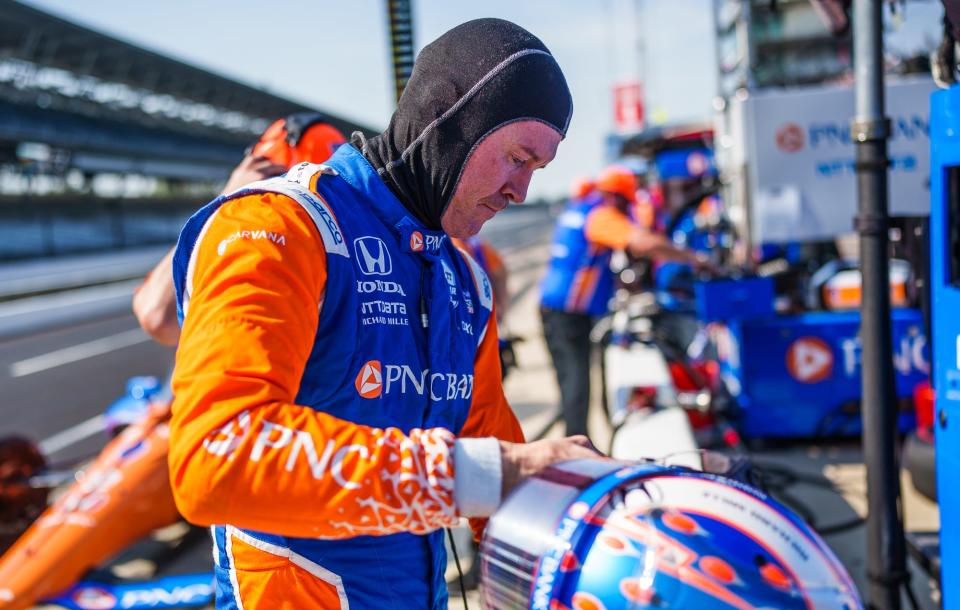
[{"x": 477, "y": 77}]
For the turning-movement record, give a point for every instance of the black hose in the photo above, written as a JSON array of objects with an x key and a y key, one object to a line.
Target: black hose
[{"x": 456, "y": 560}]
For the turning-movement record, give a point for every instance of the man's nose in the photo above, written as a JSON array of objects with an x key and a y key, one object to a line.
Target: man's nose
[{"x": 516, "y": 188}]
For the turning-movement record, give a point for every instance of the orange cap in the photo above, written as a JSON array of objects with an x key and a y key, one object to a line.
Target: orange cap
[
  {"x": 581, "y": 187},
  {"x": 619, "y": 180},
  {"x": 298, "y": 138}
]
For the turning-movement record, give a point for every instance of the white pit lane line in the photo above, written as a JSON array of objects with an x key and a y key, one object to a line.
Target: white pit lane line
[
  {"x": 65, "y": 299},
  {"x": 74, "y": 353},
  {"x": 70, "y": 436}
]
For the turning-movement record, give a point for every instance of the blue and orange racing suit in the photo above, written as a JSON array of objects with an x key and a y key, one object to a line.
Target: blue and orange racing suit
[
  {"x": 578, "y": 278},
  {"x": 335, "y": 354},
  {"x": 484, "y": 253}
]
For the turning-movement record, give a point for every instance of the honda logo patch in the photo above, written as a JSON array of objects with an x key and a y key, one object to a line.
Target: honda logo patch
[{"x": 372, "y": 256}]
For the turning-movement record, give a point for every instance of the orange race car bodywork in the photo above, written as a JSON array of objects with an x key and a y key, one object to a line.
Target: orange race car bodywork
[{"x": 117, "y": 499}]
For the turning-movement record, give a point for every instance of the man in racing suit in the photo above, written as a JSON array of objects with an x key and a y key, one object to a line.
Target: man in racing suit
[
  {"x": 338, "y": 395},
  {"x": 578, "y": 285}
]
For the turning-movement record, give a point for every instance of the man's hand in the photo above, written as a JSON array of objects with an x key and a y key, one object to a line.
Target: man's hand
[
  {"x": 655, "y": 246},
  {"x": 521, "y": 460},
  {"x": 250, "y": 170}
]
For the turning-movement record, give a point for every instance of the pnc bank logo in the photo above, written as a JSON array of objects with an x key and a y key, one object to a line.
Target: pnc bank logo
[
  {"x": 373, "y": 256},
  {"x": 369, "y": 381},
  {"x": 376, "y": 379},
  {"x": 810, "y": 360},
  {"x": 790, "y": 137},
  {"x": 416, "y": 241}
]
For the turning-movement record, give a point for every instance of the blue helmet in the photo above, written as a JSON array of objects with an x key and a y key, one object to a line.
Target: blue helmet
[{"x": 655, "y": 537}]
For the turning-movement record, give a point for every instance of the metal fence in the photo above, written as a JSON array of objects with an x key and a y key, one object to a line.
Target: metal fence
[{"x": 31, "y": 228}]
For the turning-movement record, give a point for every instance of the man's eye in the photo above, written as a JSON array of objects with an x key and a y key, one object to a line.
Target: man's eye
[{"x": 517, "y": 160}]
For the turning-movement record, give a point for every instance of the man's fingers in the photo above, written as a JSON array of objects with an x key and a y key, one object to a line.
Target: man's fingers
[
  {"x": 272, "y": 170},
  {"x": 584, "y": 442},
  {"x": 254, "y": 160},
  {"x": 264, "y": 165},
  {"x": 521, "y": 460}
]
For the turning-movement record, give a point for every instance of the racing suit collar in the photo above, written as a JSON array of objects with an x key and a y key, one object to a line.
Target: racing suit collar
[{"x": 354, "y": 168}]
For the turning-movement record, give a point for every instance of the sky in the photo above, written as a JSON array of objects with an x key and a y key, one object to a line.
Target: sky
[{"x": 334, "y": 54}]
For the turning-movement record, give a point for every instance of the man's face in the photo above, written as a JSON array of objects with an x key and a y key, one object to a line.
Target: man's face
[{"x": 497, "y": 173}]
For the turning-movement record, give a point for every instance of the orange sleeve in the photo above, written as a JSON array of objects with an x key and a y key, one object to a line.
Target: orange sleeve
[
  {"x": 494, "y": 261},
  {"x": 608, "y": 227},
  {"x": 242, "y": 452},
  {"x": 490, "y": 413}
]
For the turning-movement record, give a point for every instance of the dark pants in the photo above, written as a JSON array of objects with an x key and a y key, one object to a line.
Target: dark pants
[{"x": 568, "y": 339}]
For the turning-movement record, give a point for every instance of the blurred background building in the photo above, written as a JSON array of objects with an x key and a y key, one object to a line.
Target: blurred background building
[
  {"x": 788, "y": 43},
  {"x": 104, "y": 144}
]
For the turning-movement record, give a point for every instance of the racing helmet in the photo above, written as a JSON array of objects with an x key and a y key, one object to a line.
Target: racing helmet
[
  {"x": 619, "y": 180},
  {"x": 304, "y": 136},
  {"x": 588, "y": 535}
]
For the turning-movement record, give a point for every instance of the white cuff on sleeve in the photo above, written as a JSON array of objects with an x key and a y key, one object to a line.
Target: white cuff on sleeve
[{"x": 477, "y": 476}]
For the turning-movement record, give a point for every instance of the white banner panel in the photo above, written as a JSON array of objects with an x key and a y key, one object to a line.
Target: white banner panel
[{"x": 800, "y": 159}]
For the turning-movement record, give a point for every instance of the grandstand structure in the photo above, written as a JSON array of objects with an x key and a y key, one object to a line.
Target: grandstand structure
[
  {"x": 107, "y": 145},
  {"x": 75, "y": 98}
]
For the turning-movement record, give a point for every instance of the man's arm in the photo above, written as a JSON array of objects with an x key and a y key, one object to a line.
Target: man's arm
[
  {"x": 155, "y": 304},
  {"x": 243, "y": 452},
  {"x": 612, "y": 229},
  {"x": 154, "y": 301},
  {"x": 495, "y": 468},
  {"x": 490, "y": 419}
]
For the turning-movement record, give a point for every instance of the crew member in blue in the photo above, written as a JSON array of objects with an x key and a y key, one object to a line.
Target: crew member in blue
[{"x": 578, "y": 284}]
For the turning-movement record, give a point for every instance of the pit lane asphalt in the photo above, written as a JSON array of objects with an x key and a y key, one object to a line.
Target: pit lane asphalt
[{"x": 50, "y": 401}]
